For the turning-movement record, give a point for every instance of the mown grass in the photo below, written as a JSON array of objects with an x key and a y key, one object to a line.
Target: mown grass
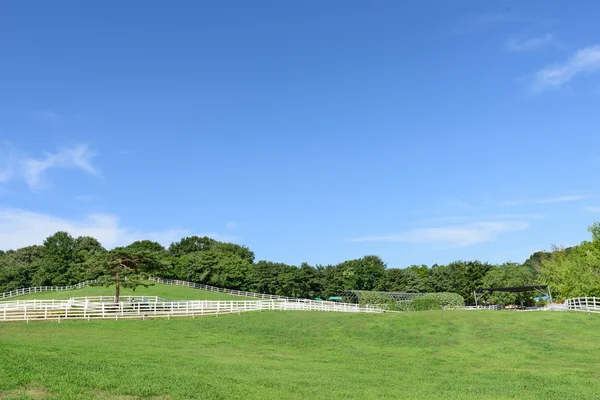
[
  {"x": 169, "y": 292},
  {"x": 307, "y": 355}
]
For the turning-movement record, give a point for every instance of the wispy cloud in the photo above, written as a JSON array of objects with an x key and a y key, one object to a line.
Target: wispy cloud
[
  {"x": 516, "y": 216},
  {"x": 532, "y": 43},
  {"x": 452, "y": 236},
  {"x": 8, "y": 162},
  {"x": 447, "y": 219},
  {"x": 19, "y": 228},
  {"x": 84, "y": 197},
  {"x": 14, "y": 166},
  {"x": 231, "y": 225},
  {"x": 593, "y": 209},
  {"x": 78, "y": 157},
  {"x": 479, "y": 22},
  {"x": 46, "y": 115},
  {"x": 546, "y": 200},
  {"x": 584, "y": 61}
]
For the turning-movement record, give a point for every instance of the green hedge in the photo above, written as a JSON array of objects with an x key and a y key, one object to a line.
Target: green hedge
[
  {"x": 437, "y": 301},
  {"x": 427, "y": 302},
  {"x": 430, "y": 301}
]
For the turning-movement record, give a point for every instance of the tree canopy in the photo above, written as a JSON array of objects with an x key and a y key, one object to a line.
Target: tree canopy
[{"x": 64, "y": 260}]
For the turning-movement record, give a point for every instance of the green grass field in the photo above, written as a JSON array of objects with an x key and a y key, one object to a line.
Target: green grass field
[
  {"x": 168, "y": 292},
  {"x": 307, "y": 355}
]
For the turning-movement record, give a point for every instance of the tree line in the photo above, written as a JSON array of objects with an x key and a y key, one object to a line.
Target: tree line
[{"x": 64, "y": 260}]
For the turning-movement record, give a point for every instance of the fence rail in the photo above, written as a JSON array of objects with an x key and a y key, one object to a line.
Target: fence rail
[
  {"x": 243, "y": 293},
  {"x": 24, "y": 291},
  {"x": 584, "y": 304},
  {"x": 489, "y": 307},
  {"x": 210, "y": 288},
  {"x": 84, "y": 308}
]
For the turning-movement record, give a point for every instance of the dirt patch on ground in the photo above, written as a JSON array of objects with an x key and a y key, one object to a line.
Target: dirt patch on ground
[
  {"x": 104, "y": 394},
  {"x": 29, "y": 392}
]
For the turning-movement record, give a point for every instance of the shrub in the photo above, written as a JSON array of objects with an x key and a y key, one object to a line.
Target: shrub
[
  {"x": 437, "y": 301},
  {"x": 375, "y": 299},
  {"x": 427, "y": 302},
  {"x": 449, "y": 300}
]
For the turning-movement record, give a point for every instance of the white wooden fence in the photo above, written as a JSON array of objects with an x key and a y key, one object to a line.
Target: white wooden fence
[
  {"x": 221, "y": 290},
  {"x": 584, "y": 304},
  {"x": 90, "y": 308},
  {"x": 488, "y": 307},
  {"x": 21, "y": 292}
]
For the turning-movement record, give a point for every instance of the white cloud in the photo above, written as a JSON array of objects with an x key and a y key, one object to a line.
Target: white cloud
[
  {"x": 453, "y": 236},
  {"x": 78, "y": 157},
  {"x": 15, "y": 166},
  {"x": 547, "y": 200},
  {"x": 562, "y": 199},
  {"x": 46, "y": 115},
  {"x": 19, "y": 228},
  {"x": 480, "y": 22},
  {"x": 8, "y": 162},
  {"x": 516, "y": 216},
  {"x": 231, "y": 225},
  {"x": 584, "y": 61},
  {"x": 85, "y": 197},
  {"x": 531, "y": 44},
  {"x": 593, "y": 209}
]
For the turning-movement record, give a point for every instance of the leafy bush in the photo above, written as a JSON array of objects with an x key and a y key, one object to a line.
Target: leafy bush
[
  {"x": 427, "y": 302},
  {"x": 541, "y": 303},
  {"x": 430, "y": 301},
  {"x": 375, "y": 299},
  {"x": 449, "y": 300},
  {"x": 437, "y": 301}
]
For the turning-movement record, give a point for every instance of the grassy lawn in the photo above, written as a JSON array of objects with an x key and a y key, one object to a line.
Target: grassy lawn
[
  {"x": 307, "y": 355},
  {"x": 169, "y": 292}
]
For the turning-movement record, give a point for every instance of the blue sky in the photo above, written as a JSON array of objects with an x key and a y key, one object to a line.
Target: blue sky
[{"x": 423, "y": 132}]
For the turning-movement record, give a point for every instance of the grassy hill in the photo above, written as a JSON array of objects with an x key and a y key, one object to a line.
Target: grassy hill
[
  {"x": 168, "y": 292},
  {"x": 307, "y": 355}
]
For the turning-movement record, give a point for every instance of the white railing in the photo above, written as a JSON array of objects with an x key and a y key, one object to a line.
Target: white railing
[
  {"x": 209, "y": 288},
  {"x": 126, "y": 299},
  {"x": 243, "y": 293},
  {"x": 24, "y": 291},
  {"x": 39, "y": 310},
  {"x": 585, "y": 304},
  {"x": 488, "y": 307}
]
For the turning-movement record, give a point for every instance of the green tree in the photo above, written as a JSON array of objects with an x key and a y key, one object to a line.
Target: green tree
[
  {"x": 123, "y": 267},
  {"x": 264, "y": 276},
  {"x": 508, "y": 275},
  {"x": 404, "y": 280},
  {"x": 148, "y": 246},
  {"x": 190, "y": 244},
  {"x": 59, "y": 257},
  {"x": 14, "y": 273}
]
